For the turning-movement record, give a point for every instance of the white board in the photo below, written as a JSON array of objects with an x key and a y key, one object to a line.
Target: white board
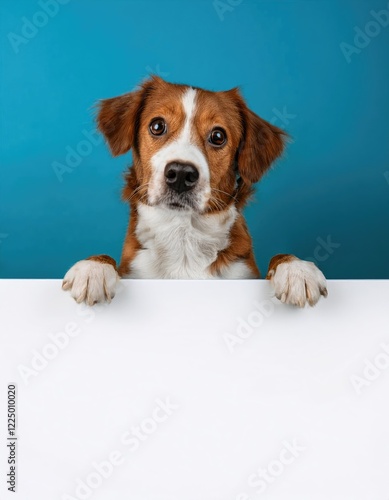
[{"x": 168, "y": 393}]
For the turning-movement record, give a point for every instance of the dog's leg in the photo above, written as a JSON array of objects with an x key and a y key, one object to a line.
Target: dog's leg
[
  {"x": 296, "y": 281},
  {"x": 92, "y": 280}
]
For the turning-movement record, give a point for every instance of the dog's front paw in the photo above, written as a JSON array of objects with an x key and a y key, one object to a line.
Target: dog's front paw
[
  {"x": 91, "y": 281},
  {"x": 298, "y": 282}
]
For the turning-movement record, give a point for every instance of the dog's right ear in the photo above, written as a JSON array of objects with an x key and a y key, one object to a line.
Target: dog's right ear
[{"x": 117, "y": 117}]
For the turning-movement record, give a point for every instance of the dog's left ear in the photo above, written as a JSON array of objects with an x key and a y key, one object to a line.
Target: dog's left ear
[
  {"x": 117, "y": 117},
  {"x": 262, "y": 143},
  {"x": 116, "y": 120}
]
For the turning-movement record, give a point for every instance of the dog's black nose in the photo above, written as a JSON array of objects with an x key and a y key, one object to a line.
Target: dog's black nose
[{"x": 181, "y": 176}]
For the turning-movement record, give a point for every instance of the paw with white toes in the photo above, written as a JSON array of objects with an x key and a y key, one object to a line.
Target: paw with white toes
[
  {"x": 91, "y": 281},
  {"x": 298, "y": 282}
]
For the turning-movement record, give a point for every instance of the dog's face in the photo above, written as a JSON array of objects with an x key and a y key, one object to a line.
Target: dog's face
[{"x": 193, "y": 149}]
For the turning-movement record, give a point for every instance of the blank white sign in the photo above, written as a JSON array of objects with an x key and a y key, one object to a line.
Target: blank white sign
[{"x": 196, "y": 390}]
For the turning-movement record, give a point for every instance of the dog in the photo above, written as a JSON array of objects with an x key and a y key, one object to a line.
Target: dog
[{"x": 196, "y": 156}]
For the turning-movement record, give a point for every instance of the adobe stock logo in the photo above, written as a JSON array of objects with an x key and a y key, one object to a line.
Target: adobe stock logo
[
  {"x": 266, "y": 476},
  {"x": 75, "y": 155},
  {"x": 323, "y": 250},
  {"x": 363, "y": 37},
  {"x": 133, "y": 439},
  {"x": 223, "y": 6},
  {"x": 246, "y": 327},
  {"x": 282, "y": 118},
  {"x": 46, "y": 355},
  {"x": 31, "y": 27},
  {"x": 372, "y": 370},
  {"x": 3, "y": 236},
  {"x": 156, "y": 70}
]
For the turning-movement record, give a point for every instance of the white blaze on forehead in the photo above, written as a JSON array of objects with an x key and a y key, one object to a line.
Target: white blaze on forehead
[
  {"x": 189, "y": 105},
  {"x": 182, "y": 149}
]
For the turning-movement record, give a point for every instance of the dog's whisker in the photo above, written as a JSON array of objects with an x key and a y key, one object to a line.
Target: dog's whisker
[
  {"x": 143, "y": 197},
  {"x": 217, "y": 203},
  {"x": 224, "y": 192},
  {"x": 137, "y": 190},
  {"x": 220, "y": 203}
]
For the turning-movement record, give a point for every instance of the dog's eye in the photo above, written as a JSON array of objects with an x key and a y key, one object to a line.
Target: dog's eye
[
  {"x": 157, "y": 126},
  {"x": 218, "y": 137}
]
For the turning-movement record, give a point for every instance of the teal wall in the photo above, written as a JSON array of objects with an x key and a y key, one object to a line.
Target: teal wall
[{"x": 307, "y": 66}]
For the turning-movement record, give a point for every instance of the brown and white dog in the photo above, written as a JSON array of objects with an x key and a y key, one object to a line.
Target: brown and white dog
[{"x": 196, "y": 155}]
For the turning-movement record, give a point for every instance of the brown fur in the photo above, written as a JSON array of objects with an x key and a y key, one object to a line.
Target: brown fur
[
  {"x": 276, "y": 261},
  {"x": 240, "y": 249},
  {"x": 131, "y": 245},
  {"x": 103, "y": 259}
]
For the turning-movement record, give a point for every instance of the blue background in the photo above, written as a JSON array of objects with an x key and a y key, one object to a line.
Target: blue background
[{"x": 332, "y": 182}]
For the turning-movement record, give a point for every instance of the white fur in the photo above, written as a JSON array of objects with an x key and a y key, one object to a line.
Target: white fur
[
  {"x": 91, "y": 281},
  {"x": 298, "y": 282},
  {"x": 182, "y": 244},
  {"x": 237, "y": 271},
  {"x": 181, "y": 149}
]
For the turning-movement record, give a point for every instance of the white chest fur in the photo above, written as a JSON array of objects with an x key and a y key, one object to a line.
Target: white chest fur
[{"x": 179, "y": 244}]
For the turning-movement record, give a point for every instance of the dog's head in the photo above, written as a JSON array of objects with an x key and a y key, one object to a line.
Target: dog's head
[{"x": 192, "y": 149}]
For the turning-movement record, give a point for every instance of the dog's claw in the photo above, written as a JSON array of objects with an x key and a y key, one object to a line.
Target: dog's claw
[{"x": 65, "y": 285}]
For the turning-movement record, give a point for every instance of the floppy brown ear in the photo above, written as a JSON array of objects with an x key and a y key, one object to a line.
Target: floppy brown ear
[
  {"x": 261, "y": 145},
  {"x": 117, "y": 118}
]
